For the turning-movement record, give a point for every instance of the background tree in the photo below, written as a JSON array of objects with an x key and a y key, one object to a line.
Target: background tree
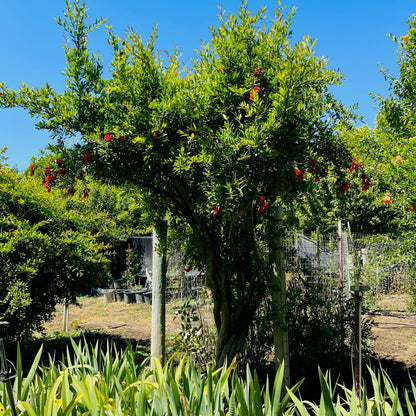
[
  {"x": 395, "y": 131},
  {"x": 47, "y": 254},
  {"x": 251, "y": 125},
  {"x": 357, "y": 200}
]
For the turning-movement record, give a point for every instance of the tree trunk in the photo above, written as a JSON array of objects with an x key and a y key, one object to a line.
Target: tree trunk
[
  {"x": 158, "y": 293},
  {"x": 278, "y": 289}
]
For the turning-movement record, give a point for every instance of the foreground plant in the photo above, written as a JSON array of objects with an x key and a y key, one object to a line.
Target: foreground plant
[{"x": 92, "y": 380}]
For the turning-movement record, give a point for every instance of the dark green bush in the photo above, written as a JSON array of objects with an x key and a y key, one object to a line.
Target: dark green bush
[
  {"x": 320, "y": 329},
  {"x": 47, "y": 254}
]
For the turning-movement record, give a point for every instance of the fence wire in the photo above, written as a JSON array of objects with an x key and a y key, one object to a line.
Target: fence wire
[{"x": 385, "y": 269}]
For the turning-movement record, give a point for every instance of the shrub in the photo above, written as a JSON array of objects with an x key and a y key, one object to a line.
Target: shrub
[
  {"x": 320, "y": 328},
  {"x": 47, "y": 255}
]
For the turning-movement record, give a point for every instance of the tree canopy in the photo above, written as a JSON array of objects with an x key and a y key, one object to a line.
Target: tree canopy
[{"x": 252, "y": 124}]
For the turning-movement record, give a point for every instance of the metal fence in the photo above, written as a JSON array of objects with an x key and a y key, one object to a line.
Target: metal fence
[{"x": 384, "y": 268}]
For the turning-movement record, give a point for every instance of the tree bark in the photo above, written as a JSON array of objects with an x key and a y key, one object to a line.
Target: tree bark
[
  {"x": 158, "y": 334},
  {"x": 278, "y": 289}
]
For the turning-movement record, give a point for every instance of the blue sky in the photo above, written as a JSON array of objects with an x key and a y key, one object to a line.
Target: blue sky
[{"x": 352, "y": 34}]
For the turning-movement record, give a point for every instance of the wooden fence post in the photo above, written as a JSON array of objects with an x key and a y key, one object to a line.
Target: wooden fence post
[
  {"x": 65, "y": 318},
  {"x": 278, "y": 289},
  {"x": 158, "y": 336}
]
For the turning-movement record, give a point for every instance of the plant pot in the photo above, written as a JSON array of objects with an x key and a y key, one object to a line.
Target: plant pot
[
  {"x": 139, "y": 297},
  {"x": 129, "y": 296},
  {"x": 148, "y": 297},
  {"x": 108, "y": 295},
  {"x": 119, "y": 295}
]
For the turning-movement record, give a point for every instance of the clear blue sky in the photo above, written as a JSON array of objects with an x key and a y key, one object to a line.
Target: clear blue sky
[{"x": 352, "y": 34}]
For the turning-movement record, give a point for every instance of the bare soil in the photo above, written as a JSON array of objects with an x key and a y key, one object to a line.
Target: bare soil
[{"x": 393, "y": 346}]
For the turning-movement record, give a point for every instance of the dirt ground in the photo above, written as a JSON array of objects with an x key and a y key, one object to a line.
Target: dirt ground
[{"x": 394, "y": 343}]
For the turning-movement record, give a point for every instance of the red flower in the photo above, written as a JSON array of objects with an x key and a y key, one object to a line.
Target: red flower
[
  {"x": 87, "y": 155},
  {"x": 256, "y": 89},
  {"x": 317, "y": 179},
  {"x": 31, "y": 166},
  {"x": 58, "y": 161},
  {"x": 47, "y": 169},
  {"x": 312, "y": 161},
  {"x": 300, "y": 177},
  {"x": 154, "y": 134},
  {"x": 216, "y": 211},
  {"x": 222, "y": 68},
  {"x": 123, "y": 139},
  {"x": 108, "y": 137},
  {"x": 97, "y": 281},
  {"x": 345, "y": 187},
  {"x": 251, "y": 97},
  {"x": 261, "y": 209},
  {"x": 262, "y": 198},
  {"x": 31, "y": 174},
  {"x": 258, "y": 71},
  {"x": 340, "y": 192},
  {"x": 299, "y": 172}
]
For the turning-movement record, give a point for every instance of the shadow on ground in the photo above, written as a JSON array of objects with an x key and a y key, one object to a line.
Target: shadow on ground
[{"x": 57, "y": 347}]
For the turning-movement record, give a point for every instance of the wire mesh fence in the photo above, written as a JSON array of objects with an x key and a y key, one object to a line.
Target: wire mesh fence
[{"x": 382, "y": 266}]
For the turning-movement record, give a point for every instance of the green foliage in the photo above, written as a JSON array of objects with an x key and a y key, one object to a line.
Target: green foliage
[
  {"x": 192, "y": 337},
  {"x": 47, "y": 254},
  {"x": 390, "y": 147},
  {"x": 91, "y": 381},
  {"x": 320, "y": 328},
  {"x": 214, "y": 147}
]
